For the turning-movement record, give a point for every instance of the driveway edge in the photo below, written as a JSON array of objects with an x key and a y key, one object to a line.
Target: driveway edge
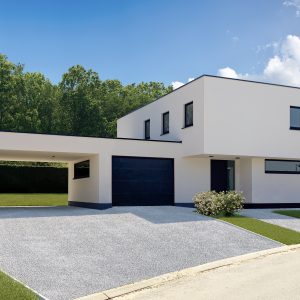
[
  {"x": 160, "y": 280},
  {"x": 40, "y": 296}
]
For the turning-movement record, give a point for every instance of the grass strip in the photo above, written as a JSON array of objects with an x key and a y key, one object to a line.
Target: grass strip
[
  {"x": 283, "y": 235},
  {"x": 289, "y": 213},
  {"x": 13, "y": 290},
  {"x": 33, "y": 199}
]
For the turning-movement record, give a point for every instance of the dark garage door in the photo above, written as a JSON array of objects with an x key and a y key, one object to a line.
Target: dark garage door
[{"x": 142, "y": 181}]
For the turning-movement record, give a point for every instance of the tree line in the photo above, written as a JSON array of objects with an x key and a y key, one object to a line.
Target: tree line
[{"x": 80, "y": 104}]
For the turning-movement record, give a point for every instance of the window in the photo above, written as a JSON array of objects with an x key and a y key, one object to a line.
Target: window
[
  {"x": 147, "y": 129},
  {"x": 165, "y": 123},
  {"x": 294, "y": 117},
  {"x": 82, "y": 169},
  {"x": 282, "y": 166},
  {"x": 188, "y": 114}
]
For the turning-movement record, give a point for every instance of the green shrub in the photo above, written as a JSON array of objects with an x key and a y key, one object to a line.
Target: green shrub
[{"x": 212, "y": 203}]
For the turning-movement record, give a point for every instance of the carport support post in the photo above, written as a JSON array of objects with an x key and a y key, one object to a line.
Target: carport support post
[{"x": 105, "y": 180}]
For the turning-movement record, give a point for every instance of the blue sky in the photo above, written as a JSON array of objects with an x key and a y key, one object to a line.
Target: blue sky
[{"x": 150, "y": 40}]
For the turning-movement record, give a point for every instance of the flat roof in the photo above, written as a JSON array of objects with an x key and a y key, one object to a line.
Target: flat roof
[
  {"x": 218, "y": 77},
  {"x": 93, "y": 137}
]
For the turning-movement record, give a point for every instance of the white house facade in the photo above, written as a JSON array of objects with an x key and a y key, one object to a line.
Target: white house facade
[{"x": 211, "y": 134}]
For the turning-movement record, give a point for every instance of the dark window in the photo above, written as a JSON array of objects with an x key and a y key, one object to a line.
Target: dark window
[
  {"x": 282, "y": 166},
  {"x": 294, "y": 117},
  {"x": 82, "y": 169},
  {"x": 188, "y": 114},
  {"x": 165, "y": 123},
  {"x": 147, "y": 129}
]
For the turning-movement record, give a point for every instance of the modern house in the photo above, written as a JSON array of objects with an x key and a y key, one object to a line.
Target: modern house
[{"x": 211, "y": 134}]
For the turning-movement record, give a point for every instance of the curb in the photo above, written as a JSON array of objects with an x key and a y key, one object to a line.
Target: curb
[{"x": 162, "y": 279}]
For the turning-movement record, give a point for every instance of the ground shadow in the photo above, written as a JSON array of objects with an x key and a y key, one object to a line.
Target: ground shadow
[{"x": 153, "y": 214}]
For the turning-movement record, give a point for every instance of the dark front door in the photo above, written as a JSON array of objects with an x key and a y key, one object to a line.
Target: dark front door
[
  {"x": 222, "y": 175},
  {"x": 142, "y": 181}
]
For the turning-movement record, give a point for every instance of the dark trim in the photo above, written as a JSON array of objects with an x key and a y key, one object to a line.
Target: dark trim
[
  {"x": 182, "y": 204},
  {"x": 93, "y": 137},
  {"x": 145, "y": 133},
  {"x": 272, "y": 205},
  {"x": 187, "y": 126},
  {"x": 90, "y": 205},
  {"x": 282, "y": 172},
  {"x": 294, "y": 128},
  {"x": 292, "y": 106},
  {"x": 163, "y": 123},
  {"x": 293, "y": 160},
  {"x": 185, "y": 106},
  {"x": 217, "y": 77},
  {"x": 151, "y": 157}
]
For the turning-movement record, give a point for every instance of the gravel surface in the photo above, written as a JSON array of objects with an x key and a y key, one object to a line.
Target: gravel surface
[{"x": 68, "y": 252}]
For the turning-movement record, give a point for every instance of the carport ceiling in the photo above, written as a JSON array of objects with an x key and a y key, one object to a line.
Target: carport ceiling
[{"x": 41, "y": 156}]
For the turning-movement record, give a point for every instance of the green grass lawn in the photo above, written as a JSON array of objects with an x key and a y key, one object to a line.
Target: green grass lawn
[
  {"x": 289, "y": 213},
  {"x": 13, "y": 290},
  {"x": 33, "y": 200},
  {"x": 274, "y": 232}
]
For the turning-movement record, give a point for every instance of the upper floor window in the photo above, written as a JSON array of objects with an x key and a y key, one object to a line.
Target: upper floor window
[
  {"x": 188, "y": 114},
  {"x": 82, "y": 169},
  {"x": 282, "y": 166},
  {"x": 165, "y": 123},
  {"x": 147, "y": 129},
  {"x": 294, "y": 117}
]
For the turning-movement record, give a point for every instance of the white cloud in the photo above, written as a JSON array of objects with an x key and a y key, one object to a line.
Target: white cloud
[
  {"x": 295, "y": 4},
  {"x": 283, "y": 67},
  {"x": 235, "y": 39},
  {"x": 228, "y": 72},
  {"x": 177, "y": 84}
]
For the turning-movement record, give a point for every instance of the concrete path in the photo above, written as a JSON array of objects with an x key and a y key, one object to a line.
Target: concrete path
[
  {"x": 68, "y": 252},
  {"x": 268, "y": 275},
  {"x": 267, "y": 215}
]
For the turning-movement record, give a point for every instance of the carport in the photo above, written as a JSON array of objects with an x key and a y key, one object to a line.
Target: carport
[{"x": 102, "y": 172}]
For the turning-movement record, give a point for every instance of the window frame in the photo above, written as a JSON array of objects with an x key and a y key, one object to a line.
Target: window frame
[
  {"x": 76, "y": 176},
  {"x": 145, "y": 129},
  {"x": 294, "y": 127},
  {"x": 185, "y": 114},
  {"x": 163, "y": 131},
  {"x": 281, "y": 172}
]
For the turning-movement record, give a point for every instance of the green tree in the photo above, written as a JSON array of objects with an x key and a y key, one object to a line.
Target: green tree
[{"x": 80, "y": 106}]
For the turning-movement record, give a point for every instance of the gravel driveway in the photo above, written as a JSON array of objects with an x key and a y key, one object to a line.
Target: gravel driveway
[{"x": 68, "y": 252}]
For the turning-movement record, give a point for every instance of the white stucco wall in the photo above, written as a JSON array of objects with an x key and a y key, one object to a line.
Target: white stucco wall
[
  {"x": 84, "y": 189},
  {"x": 245, "y": 175},
  {"x": 249, "y": 119},
  {"x": 273, "y": 188},
  {"x": 132, "y": 125}
]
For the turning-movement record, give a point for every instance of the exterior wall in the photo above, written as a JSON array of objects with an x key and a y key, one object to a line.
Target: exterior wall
[
  {"x": 132, "y": 125},
  {"x": 249, "y": 119},
  {"x": 84, "y": 189},
  {"x": 273, "y": 188},
  {"x": 192, "y": 175},
  {"x": 245, "y": 175}
]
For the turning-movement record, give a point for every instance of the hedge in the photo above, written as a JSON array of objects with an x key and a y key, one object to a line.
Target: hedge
[{"x": 15, "y": 179}]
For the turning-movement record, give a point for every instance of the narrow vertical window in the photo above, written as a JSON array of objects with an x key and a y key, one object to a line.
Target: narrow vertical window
[
  {"x": 294, "y": 117},
  {"x": 188, "y": 114},
  {"x": 165, "y": 123},
  {"x": 147, "y": 129}
]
